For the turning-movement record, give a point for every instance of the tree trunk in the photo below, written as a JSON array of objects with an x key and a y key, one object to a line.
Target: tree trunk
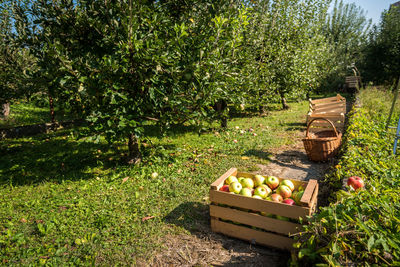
[
  {"x": 220, "y": 107},
  {"x": 133, "y": 147},
  {"x": 283, "y": 100},
  {"x": 5, "y": 110},
  {"x": 51, "y": 103}
]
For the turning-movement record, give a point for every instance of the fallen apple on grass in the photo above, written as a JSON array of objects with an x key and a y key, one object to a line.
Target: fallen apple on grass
[{"x": 355, "y": 182}]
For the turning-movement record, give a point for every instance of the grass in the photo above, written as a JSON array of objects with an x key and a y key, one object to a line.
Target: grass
[
  {"x": 65, "y": 200},
  {"x": 27, "y": 113}
]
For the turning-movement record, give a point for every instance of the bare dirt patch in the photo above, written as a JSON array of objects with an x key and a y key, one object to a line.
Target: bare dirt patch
[{"x": 205, "y": 248}]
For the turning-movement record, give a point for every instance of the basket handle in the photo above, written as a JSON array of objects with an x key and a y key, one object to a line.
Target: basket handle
[{"x": 320, "y": 118}]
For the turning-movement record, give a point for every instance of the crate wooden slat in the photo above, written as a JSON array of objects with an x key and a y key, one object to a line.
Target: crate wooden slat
[
  {"x": 226, "y": 209},
  {"x": 256, "y": 220},
  {"x": 254, "y": 236}
]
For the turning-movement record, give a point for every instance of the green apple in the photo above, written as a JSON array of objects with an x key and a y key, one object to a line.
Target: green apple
[
  {"x": 298, "y": 197},
  {"x": 248, "y": 183},
  {"x": 260, "y": 191},
  {"x": 269, "y": 191},
  {"x": 258, "y": 180},
  {"x": 301, "y": 188},
  {"x": 246, "y": 192},
  {"x": 288, "y": 183},
  {"x": 257, "y": 196},
  {"x": 235, "y": 187},
  {"x": 240, "y": 179},
  {"x": 231, "y": 179}
]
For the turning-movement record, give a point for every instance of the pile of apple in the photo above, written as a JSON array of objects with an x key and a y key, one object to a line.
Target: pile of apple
[{"x": 264, "y": 188}]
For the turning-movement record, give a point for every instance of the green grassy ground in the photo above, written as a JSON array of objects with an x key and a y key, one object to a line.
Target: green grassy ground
[
  {"x": 27, "y": 113},
  {"x": 67, "y": 200}
]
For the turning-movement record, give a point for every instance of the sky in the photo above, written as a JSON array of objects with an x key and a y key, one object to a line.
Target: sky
[{"x": 374, "y": 8}]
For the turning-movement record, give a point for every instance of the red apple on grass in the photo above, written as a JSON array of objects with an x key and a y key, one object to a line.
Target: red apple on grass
[
  {"x": 235, "y": 187},
  {"x": 355, "y": 182},
  {"x": 284, "y": 191},
  {"x": 272, "y": 182}
]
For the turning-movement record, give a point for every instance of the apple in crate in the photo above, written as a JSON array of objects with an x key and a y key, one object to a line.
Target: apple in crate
[
  {"x": 269, "y": 191},
  {"x": 246, "y": 192},
  {"x": 235, "y": 187},
  {"x": 288, "y": 183},
  {"x": 224, "y": 188},
  {"x": 355, "y": 182},
  {"x": 282, "y": 218},
  {"x": 260, "y": 191},
  {"x": 258, "y": 180},
  {"x": 275, "y": 198},
  {"x": 288, "y": 201},
  {"x": 240, "y": 179},
  {"x": 231, "y": 179},
  {"x": 284, "y": 191},
  {"x": 272, "y": 182},
  {"x": 248, "y": 183},
  {"x": 257, "y": 196},
  {"x": 297, "y": 196}
]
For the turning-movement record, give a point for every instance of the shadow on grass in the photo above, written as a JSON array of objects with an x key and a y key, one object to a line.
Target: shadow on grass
[
  {"x": 259, "y": 154},
  {"x": 195, "y": 218},
  {"x": 296, "y": 126},
  {"x": 31, "y": 162}
]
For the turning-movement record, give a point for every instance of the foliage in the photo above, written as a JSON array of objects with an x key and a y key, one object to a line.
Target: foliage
[
  {"x": 347, "y": 30},
  {"x": 15, "y": 63},
  {"x": 360, "y": 227},
  {"x": 68, "y": 201},
  {"x": 382, "y": 54}
]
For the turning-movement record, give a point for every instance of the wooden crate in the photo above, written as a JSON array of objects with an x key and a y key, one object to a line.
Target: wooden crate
[
  {"x": 338, "y": 119},
  {"x": 239, "y": 216},
  {"x": 337, "y": 98}
]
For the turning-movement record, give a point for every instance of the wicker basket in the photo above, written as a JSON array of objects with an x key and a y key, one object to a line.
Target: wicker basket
[{"x": 324, "y": 144}]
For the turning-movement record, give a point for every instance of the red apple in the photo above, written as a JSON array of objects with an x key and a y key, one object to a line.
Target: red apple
[
  {"x": 288, "y": 183},
  {"x": 272, "y": 182},
  {"x": 284, "y": 191},
  {"x": 224, "y": 188},
  {"x": 355, "y": 182},
  {"x": 275, "y": 198},
  {"x": 288, "y": 201}
]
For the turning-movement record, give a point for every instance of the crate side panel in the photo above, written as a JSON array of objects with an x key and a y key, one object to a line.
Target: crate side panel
[
  {"x": 252, "y": 219},
  {"x": 254, "y": 236}
]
